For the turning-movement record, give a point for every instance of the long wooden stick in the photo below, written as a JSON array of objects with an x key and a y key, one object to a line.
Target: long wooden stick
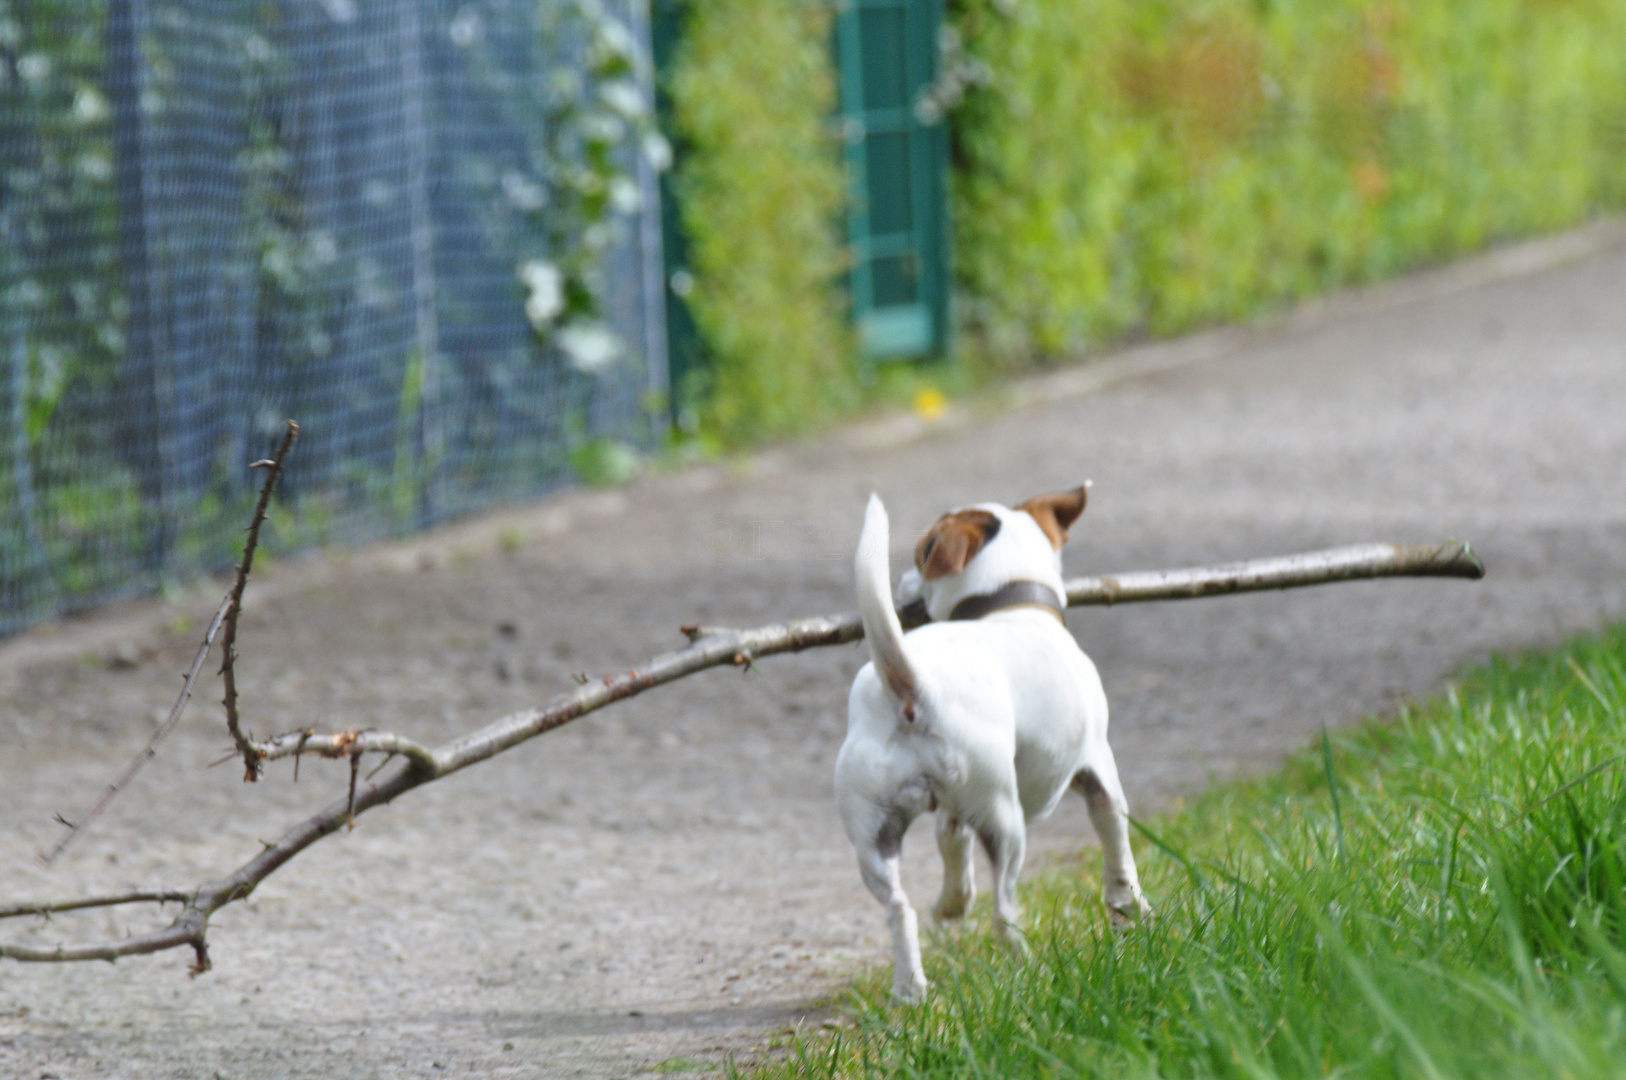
[
  {"x": 708, "y": 647},
  {"x": 1362, "y": 561}
]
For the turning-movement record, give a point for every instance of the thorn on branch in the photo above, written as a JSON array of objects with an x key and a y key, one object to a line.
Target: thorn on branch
[
  {"x": 697, "y": 632},
  {"x": 304, "y": 737},
  {"x": 580, "y": 677},
  {"x": 355, "y": 767},
  {"x": 60, "y": 820},
  {"x": 744, "y": 660}
]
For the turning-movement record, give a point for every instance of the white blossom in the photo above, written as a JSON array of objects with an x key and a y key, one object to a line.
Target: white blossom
[
  {"x": 624, "y": 96},
  {"x": 465, "y": 28},
  {"x": 34, "y": 67},
  {"x": 616, "y": 40},
  {"x": 625, "y": 196},
  {"x": 523, "y": 192},
  {"x": 602, "y": 127},
  {"x": 89, "y": 106},
  {"x": 323, "y": 249},
  {"x": 657, "y": 151},
  {"x": 546, "y": 286},
  {"x": 97, "y": 168},
  {"x": 589, "y": 347}
]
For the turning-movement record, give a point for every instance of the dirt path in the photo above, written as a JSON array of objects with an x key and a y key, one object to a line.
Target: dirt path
[{"x": 668, "y": 878}]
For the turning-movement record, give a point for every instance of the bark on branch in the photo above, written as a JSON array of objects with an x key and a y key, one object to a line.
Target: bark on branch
[{"x": 709, "y": 647}]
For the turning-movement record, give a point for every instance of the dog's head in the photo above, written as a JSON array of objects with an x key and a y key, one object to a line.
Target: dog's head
[{"x": 978, "y": 549}]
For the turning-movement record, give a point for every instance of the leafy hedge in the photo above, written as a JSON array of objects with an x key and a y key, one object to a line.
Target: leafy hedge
[
  {"x": 761, "y": 195},
  {"x": 1139, "y": 167},
  {"x": 1151, "y": 165}
]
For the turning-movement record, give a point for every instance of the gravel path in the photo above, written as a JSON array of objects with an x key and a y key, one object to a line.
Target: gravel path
[{"x": 668, "y": 878}]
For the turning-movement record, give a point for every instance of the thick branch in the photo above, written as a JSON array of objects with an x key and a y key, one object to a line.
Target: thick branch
[
  {"x": 1454, "y": 559},
  {"x": 709, "y": 647}
]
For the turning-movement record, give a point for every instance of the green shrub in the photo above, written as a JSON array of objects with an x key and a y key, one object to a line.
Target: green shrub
[
  {"x": 761, "y": 190},
  {"x": 1149, "y": 166}
]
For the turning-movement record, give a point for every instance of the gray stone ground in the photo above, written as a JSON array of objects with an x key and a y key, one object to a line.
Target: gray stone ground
[{"x": 668, "y": 877}]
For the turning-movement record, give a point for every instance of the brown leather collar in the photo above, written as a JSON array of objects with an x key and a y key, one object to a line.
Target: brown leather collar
[{"x": 1016, "y": 594}]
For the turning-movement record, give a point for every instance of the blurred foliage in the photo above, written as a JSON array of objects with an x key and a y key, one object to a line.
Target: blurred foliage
[
  {"x": 1144, "y": 167},
  {"x": 761, "y": 189},
  {"x": 210, "y": 219}
]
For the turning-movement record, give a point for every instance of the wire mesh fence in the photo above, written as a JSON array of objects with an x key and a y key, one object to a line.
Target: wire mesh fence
[{"x": 422, "y": 228}]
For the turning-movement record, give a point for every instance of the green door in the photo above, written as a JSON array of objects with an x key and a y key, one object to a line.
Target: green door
[{"x": 897, "y": 221}]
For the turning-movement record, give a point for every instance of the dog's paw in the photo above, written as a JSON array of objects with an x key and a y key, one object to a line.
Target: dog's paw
[
  {"x": 1129, "y": 911},
  {"x": 950, "y": 908},
  {"x": 1016, "y": 941},
  {"x": 909, "y": 990}
]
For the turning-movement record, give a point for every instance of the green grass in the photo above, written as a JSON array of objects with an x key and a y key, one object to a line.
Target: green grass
[{"x": 1442, "y": 894}]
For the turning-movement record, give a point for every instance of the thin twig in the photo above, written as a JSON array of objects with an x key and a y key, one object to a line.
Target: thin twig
[
  {"x": 228, "y": 642},
  {"x": 226, "y": 615},
  {"x": 148, "y": 751},
  {"x": 710, "y": 647},
  {"x": 134, "y": 896}
]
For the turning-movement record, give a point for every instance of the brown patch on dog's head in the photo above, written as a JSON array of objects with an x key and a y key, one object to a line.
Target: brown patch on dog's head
[
  {"x": 1057, "y": 511},
  {"x": 953, "y": 542}
]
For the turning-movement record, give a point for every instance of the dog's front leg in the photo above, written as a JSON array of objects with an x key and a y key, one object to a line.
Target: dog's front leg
[
  {"x": 1109, "y": 813},
  {"x": 879, "y": 865},
  {"x": 959, "y": 872}
]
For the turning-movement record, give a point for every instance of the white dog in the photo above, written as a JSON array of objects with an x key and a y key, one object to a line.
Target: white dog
[{"x": 986, "y": 715}]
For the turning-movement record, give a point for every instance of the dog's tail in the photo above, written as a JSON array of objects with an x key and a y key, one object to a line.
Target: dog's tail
[{"x": 882, "y": 630}]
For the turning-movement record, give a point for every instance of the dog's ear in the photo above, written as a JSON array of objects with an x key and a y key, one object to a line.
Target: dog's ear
[
  {"x": 953, "y": 542},
  {"x": 1057, "y": 511}
]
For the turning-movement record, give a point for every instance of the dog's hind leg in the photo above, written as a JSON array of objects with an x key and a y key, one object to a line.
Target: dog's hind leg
[
  {"x": 959, "y": 872},
  {"x": 1097, "y": 781},
  {"x": 1004, "y": 837},
  {"x": 878, "y": 862}
]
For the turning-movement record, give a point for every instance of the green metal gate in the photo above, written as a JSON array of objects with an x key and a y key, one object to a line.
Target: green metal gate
[{"x": 897, "y": 220}]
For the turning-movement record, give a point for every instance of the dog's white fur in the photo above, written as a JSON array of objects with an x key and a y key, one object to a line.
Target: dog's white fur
[{"x": 989, "y": 722}]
